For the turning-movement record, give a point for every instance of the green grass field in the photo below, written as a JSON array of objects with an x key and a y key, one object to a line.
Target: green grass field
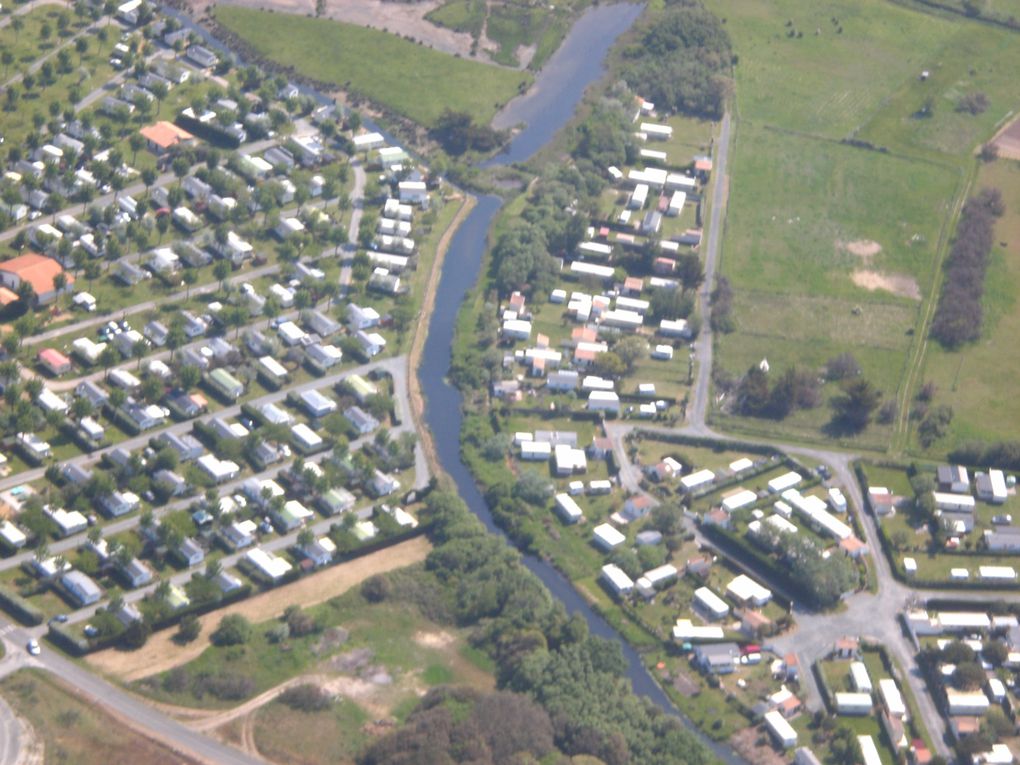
[
  {"x": 978, "y": 381},
  {"x": 460, "y": 16},
  {"x": 810, "y": 76},
  {"x": 408, "y": 79}
]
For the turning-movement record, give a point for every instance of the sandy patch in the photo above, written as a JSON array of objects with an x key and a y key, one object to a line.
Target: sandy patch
[
  {"x": 161, "y": 653},
  {"x": 440, "y": 639},
  {"x": 746, "y": 744},
  {"x": 1007, "y": 140},
  {"x": 863, "y": 248},
  {"x": 904, "y": 286}
]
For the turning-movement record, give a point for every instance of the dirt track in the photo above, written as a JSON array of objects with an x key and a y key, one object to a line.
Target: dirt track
[{"x": 161, "y": 653}]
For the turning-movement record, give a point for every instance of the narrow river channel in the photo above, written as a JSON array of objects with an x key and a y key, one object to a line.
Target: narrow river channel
[{"x": 545, "y": 109}]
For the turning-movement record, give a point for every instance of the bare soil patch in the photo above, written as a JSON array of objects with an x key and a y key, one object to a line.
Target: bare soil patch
[
  {"x": 746, "y": 744},
  {"x": 862, "y": 248},
  {"x": 161, "y": 653},
  {"x": 1007, "y": 141},
  {"x": 440, "y": 639},
  {"x": 904, "y": 286}
]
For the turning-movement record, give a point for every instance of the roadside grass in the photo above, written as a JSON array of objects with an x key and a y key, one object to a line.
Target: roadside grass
[
  {"x": 26, "y": 44},
  {"x": 979, "y": 380},
  {"x": 406, "y": 78},
  {"x": 73, "y": 730}
]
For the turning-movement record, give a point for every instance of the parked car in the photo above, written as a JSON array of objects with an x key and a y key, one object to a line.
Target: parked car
[{"x": 33, "y": 647}]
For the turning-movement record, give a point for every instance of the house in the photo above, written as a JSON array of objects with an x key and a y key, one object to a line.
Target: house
[
  {"x": 853, "y": 704},
  {"x": 74, "y": 474},
  {"x": 293, "y": 515},
  {"x": 118, "y": 503},
  {"x": 717, "y": 658},
  {"x": 361, "y": 318},
  {"x": 225, "y": 384},
  {"x": 11, "y": 536},
  {"x": 953, "y": 479},
  {"x": 616, "y": 581},
  {"x": 323, "y": 357},
  {"x": 383, "y": 484},
  {"x": 892, "y": 698},
  {"x": 217, "y": 469},
  {"x": 991, "y": 487},
  {"x": 636, "y": 507},
  {"x": 745, "y": 591},
  {"x": 174, "y": 484},
  {"x": 266, "y": 565},
  {"x": 130, "y": 274},
  {"x": 360, "y": 388},
  {"x": 38, "y": 272},
  {"x": 859, "y": 677},
  {"x": 710, "y": 604},
  {"x": 781, "y": 731},
  {"x": 846, "y": 648},
  {"x": 34, "y": 448},
  {"x": 568, "y": 510},
  {"x": 363, "y": 422},
  {"x": 607, "y": 537},
  {"x": 237, "y": 535},
  {"x": 319, "y": 551},
  {"x": 81, "y": 588},
  {"x": 202, "y": 57},
  {"x": 685, "y": 631},
  {"x": 54, "y": 362},
  {"x": 162, "y": 137},
  {"x": 186, "y": 446},
  {"x": 869, "y": 752},
  {"x": 87, "y": 350},
  {"x": 1003, "y": 539},
  {"x": 136, "y": 573},
  {"x": 306, "y": 440},
  {"x": 316, "y": 404},
  {"x": 335, "y": 501},
  {"x": 372, "y": 343}
]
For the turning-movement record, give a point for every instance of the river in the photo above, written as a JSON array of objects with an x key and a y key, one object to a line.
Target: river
[{"x": 545, "y": 109}]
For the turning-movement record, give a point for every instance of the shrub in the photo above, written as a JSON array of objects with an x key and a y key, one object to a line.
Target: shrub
[
  {"x": 306, "y": 697},
  {"x": 234, "y": 629}
]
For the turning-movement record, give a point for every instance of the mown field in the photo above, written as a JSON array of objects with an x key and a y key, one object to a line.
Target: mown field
[
  {"x": 833, "y": 247},
  {"x": 409, "y": 79}
]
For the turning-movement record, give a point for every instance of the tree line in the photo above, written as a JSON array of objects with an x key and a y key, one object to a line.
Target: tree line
[
  {"x": 681, "y": 60},
  {"x": 959, "y": 314}
]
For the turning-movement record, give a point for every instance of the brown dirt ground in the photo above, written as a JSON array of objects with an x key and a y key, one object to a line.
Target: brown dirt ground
[
  {"x": 904, "y": 286},
  {"x": 161, "y": 653},
  {"x": 1007, "y": 141},
  {"x": 745, "y": 742},
  {"x": 862, "y": 248}
]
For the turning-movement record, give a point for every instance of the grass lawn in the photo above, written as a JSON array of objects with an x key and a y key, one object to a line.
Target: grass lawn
[
  {"x": 460, "y": 16},
  {"x": 282, "y": 733},
  {"x": 409, "y": 79},
  {"x": 72, "y": 730},
  {"x": 978, "y": 381}
]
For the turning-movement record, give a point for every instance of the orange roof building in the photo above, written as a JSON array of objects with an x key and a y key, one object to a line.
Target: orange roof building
[
  {"x": 163, "y": 136},
  {"x": 38, "y": 271}
]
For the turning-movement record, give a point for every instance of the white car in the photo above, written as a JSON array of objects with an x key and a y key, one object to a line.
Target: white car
[{"x": 33, "y": 647}]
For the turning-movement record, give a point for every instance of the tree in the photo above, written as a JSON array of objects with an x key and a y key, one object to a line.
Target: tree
[
  {"x": 234, "y": 629},
  {"x": 842, "y": 367},
  {"x": 995, "y": 651},
  {"x": 59, "y": 282},
  {"x": 221, "y": 270},
  {"x": 969, "y": 676},
  {"x": 853, "y": 408},
  {"x": 189, "y": 629},
  {"x": 630, "y": 350},
  {"x": 752, "y": 398}
]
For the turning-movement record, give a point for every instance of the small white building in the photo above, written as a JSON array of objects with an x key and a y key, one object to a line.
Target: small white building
[
  {"x": 892, "y": 698},
  {"x": 568, "y": 509},
  {"x": 853, "y": 704},
  {"x": 869, "y": 752},
  {"x": 607, "y": 537},
  {"x": 616, "y": 580},
  {"x": 782, "y": 732},
  {"x": 746, "y": 591},
  {"x": 860, "y": 678},
  {"x": 710, "y": 604}
]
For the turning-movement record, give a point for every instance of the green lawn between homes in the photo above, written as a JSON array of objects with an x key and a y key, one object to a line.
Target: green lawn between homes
[
  {"x": 798, "y": 196},
  {"x": 407, "y": 78}
]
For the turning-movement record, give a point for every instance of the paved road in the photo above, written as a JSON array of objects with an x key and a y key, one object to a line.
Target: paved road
[
  {"x": 138, "y": 714},
  {"x": 10, "y": 735},
  {"x": 703, "y": 344}
]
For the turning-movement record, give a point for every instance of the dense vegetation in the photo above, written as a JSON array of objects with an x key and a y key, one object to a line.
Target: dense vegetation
[
  {"x": 681, "y": 60},
  {"x": 561, "y": 690},
  {"x": 959, "y": 316}
]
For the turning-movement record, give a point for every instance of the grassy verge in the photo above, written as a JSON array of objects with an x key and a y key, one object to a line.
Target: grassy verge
[{"x": 71, "y": 729}]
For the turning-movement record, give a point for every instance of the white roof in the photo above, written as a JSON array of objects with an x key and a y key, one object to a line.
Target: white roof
[
  {"x": 869, "y": 752},
  {"x": 742, "y": 464},
  {"x": 785, "y": 481},
  {"x": 711, "y": 601},
  {"x": 306, "y": 435},
  {"x": 697, "y": 478},
  {"x": 608, "y": 535},
  {"x": 892, "y": 697},
  {"x": 617, "y": 579},
  {"x": 744, "y": 588},
  {"x": 997, "y": 572},
  {"x": 568, "y": 506},
  {"x": 861, "y": 678},
  {"x": 739, "y": 498},
  {"x": 780, "y": 727},
  {"x": 271, "y": 565},
  {"x": 685, "y": 629},
  {"x": 852, "y": 700}
]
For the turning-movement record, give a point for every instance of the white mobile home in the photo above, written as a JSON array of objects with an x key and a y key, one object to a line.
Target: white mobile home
[{"x": 710, "y": 604}]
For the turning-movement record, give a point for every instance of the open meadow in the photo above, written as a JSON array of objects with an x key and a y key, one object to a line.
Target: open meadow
[
  {"x": 406, "y": 78},
  {"x": 979, "y": 381},
  {"x": 851, "y": 157}
]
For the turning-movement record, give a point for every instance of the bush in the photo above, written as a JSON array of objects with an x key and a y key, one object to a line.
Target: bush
[
  {"x": 226, "y": 686},
  {"x": 306, "y": 697},
  {"x": 234, "y": 629},
  {"x": 189, "y": 629},
  {"x": 376, "y": 589}
]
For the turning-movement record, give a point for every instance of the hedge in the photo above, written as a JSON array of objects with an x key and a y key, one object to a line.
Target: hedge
[{"x": 20, "y": 608}]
